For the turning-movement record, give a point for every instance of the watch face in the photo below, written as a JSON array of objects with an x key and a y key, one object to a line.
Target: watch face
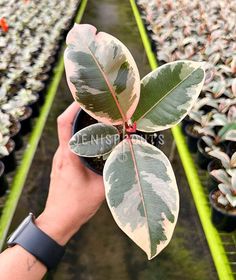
[{"x": 20, "y": 228}]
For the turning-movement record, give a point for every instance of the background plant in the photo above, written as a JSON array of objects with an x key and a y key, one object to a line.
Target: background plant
[
  {"x": 202, "y": 31},
  {"x": 227, "y": 186},
  {"x": 27, "y": 50},
  {"x": 3, "y": 142}
]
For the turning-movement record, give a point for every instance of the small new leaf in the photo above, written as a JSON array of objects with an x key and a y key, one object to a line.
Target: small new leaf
[{"x": 94, "y": 140}]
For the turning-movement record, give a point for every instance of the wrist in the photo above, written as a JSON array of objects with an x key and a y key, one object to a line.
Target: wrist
[{"x": 57, "y": 231}]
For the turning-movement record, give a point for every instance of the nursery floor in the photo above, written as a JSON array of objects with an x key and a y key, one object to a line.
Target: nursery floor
[{"x": 100, "y": 251}]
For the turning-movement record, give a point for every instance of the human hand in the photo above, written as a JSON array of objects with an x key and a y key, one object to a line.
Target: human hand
[{"x": 75, "y": 192}]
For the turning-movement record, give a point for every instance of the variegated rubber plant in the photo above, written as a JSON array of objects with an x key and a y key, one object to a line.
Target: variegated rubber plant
[{"x": 140, "y": 185}]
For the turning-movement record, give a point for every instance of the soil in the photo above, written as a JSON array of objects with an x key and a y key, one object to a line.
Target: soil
[
  {"x": 192, "y": 132},
  {"x": 229, "y": 209},
  {"x": 42, "y": 77},
  {"x": 15, "y": 127},
  {"x": 51, "y": 60},
  {"x": 46, "y": 69},
  {"x": 10, "y": 146}
]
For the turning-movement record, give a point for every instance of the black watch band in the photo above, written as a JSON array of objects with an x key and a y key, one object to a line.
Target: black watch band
[{"x": 36, "y": 242}]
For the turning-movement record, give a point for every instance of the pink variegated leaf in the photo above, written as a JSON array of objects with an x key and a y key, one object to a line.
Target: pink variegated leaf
[
  {"x": 223, "y": 157},
  {"x": 102, "y": 74},
  {"x": 222, "y": 176}
]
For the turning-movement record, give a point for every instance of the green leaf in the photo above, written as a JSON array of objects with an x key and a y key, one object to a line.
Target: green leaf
[
  {"x": 102, "y": 74},
  {"x": 168, "y": 94},
  {"x": 228, "y": 132},
  {"x": 230, "y": 135},
  {"x": 142, "y": 194},
  {"x": 94, "y": 140}
]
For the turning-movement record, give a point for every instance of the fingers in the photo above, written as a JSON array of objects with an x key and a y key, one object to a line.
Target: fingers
[{"x": 65, "y": 122}]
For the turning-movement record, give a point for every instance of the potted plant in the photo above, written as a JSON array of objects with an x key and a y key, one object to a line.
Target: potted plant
[
  {"x": 140, "y": 185},
  {"x": 19, "y": 112},
  {"x": 27, "y": 98},
  {"x": 221, "y": 161},
  {"x": 195, "y": 130},
  {"x": 5, "y": 123},
  {"x": 212, "y": 182},
  {"x": 15, "y": 133},
  {"x": 37, "y": 87},
  {"x": 223, "y": 199},
  {"x": 3, "y": 142},
  {"x": 7, "y": 154},
  {"x": 206, "y": 104},
  {"x": 214, "y": 140},
  {"x": 227, "y": 162},
  {"x": 222, "y": 117}
]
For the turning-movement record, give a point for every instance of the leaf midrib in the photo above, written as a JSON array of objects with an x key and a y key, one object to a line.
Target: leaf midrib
[
  {"x": 140, "y": 188},
  {"x": 110, "y": 87},
  {"x": 169, "y": 92}
]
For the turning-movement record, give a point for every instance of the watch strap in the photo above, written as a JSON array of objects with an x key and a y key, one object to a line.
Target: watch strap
[{"x": 40, "y": 245}]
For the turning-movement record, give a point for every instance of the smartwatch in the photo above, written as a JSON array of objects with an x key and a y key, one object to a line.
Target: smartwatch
[{"x": 36, "y": 242}]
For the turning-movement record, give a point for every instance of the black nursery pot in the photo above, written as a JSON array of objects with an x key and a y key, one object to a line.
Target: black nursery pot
[
  {"x": 15, "y": 134},
  {"x": 41, "y": 93},
  {"x": 35, "y": 106},
  {"x": 192, "y": 138},
  {"x": 10, "y": 160},
  {"x": 153, "y": 44},
  {"x": 185, "y": 122},
  {"x": 206, "y": 109},
  {"x": 83, "y": 120},
  {"x": 26, "y": 121},
  {"x": 212, "y": 181},
  {"x": 3, "y": 180},
  {"x": 203, "y": 158},
  {"x": 231, "y": 148},
  {"x": 221, "y": 219}
]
